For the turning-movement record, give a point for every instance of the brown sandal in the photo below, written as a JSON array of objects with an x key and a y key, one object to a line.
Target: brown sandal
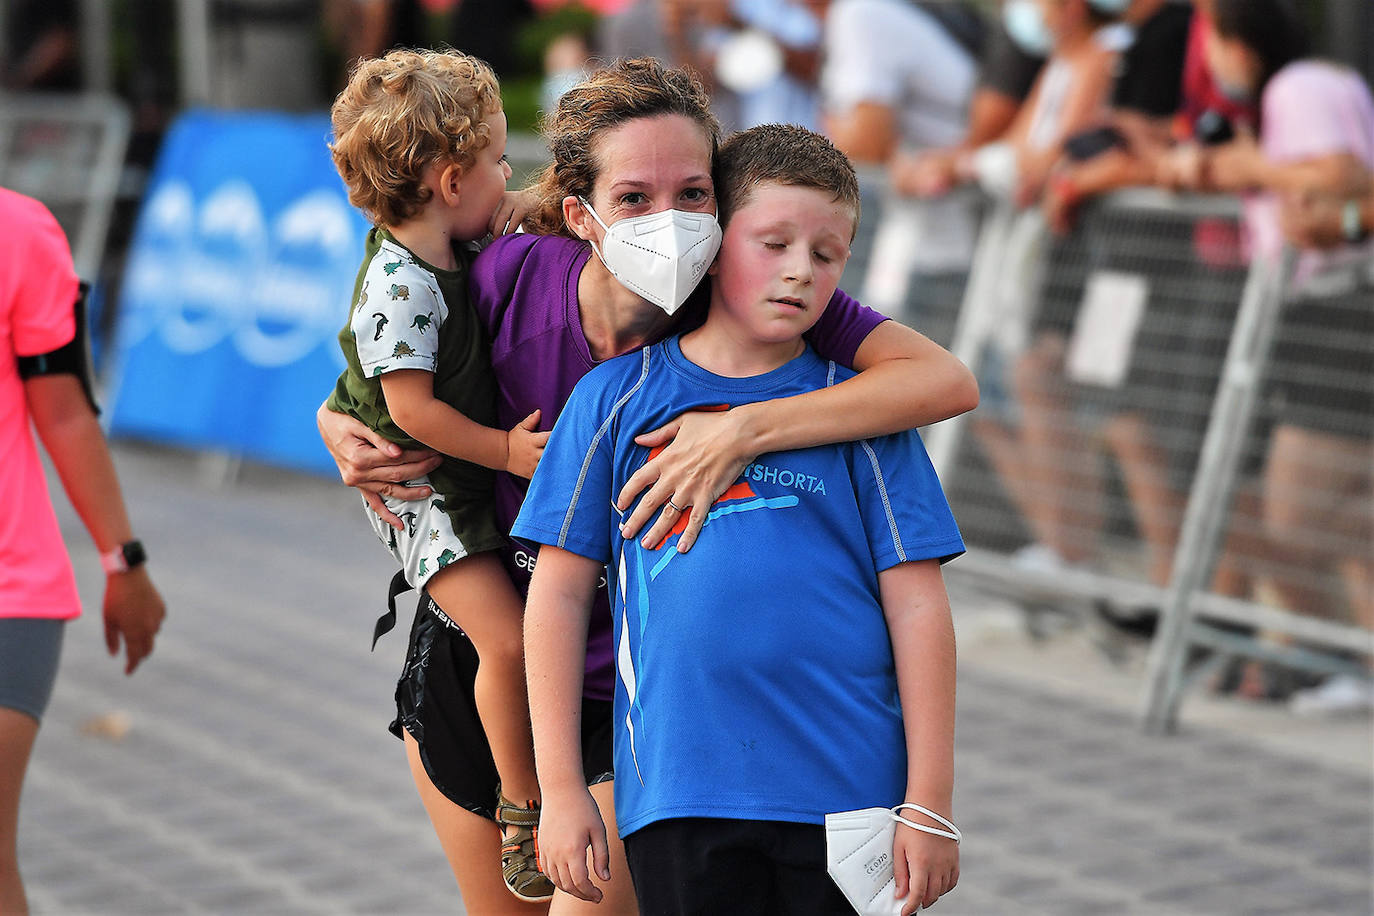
[{"x": 520, "y": 851}]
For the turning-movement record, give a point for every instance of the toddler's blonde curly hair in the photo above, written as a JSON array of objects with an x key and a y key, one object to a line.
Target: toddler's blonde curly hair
[{"x": 400, "y": 113}]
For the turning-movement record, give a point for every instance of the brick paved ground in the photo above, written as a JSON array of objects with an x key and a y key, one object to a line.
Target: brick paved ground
[{"x": 256, "y": 775}]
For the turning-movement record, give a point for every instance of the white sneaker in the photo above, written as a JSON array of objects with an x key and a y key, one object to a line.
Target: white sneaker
[
  {"x": 1341, "y": 694},
  {"x": 1038, "y": 557}
]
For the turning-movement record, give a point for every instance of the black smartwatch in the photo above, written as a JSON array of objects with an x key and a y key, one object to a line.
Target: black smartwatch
[{"x": 124, "y": 557}]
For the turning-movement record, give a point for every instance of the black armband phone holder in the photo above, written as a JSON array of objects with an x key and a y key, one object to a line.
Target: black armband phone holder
[{"x": 72, "y": 358}]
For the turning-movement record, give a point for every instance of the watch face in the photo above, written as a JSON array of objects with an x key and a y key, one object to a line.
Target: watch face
[{"x": 134, "y": 553}]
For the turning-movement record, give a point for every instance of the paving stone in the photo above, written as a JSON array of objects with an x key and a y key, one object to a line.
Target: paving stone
[
  {"x": 1356, "y": 857},
  {"x": 1076, "y": 905}
]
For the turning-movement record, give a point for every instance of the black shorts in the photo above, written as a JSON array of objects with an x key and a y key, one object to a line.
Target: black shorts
[
  {"x": 434, "y": 703},
  {"x": 705, "y": 865}
]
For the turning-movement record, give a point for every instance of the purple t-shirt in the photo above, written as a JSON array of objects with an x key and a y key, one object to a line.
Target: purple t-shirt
[{"x": 525, "y": 288}]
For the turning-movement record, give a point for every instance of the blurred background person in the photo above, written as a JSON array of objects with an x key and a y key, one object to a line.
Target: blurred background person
[
  {"x": 1006, "y": 74},
  {"x": 634, "y": 29},
  {"x": 1082, "y": 41},
  {"x": 1118, "y": 149},
  {"x": 43, "y": 381},
  {"x": 896, "y": 80},
  {"x": 1331, "y": 219},
  {"x": 1316, "y": 126},
  {"x": 760, "y": 58},
  {"x": 265, "y": 53},
  {"x": 1148, "y": 94},
  {"x": 693, "y": 31},
  {"x": 482, "y": 28},
  {"x": 40, "y": 46},
  {"x": 1038, "y": 453}
]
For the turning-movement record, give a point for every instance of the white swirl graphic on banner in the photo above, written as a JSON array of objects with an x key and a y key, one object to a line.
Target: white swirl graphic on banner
[
  {"x": 219, "y": 270},
  {"x": 292, "y": 301}
]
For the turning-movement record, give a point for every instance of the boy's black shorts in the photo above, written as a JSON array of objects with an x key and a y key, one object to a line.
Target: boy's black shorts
[
  {"x": 719, "y": 866},
  {"x": 434, "y": 703}
]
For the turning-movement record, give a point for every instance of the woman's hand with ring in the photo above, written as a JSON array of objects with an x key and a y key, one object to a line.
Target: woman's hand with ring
[{"x": 698, "y": 456}]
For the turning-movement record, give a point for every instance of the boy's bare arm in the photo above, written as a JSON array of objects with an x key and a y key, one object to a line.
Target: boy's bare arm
[
  {"x": 918, "y": 619},
  {"x": 556, "y": 615},
  {"x": 133, "y": 609},
  {"x": 410, "y": 400},
  {"x": 905, "y": 380}
]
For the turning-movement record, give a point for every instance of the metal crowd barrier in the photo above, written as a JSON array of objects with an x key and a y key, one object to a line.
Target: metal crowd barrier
[
  {"x": 67, "y": 151},
  {"x": 1129, "y": 407},
  {"x": 1298, "y": 381}
]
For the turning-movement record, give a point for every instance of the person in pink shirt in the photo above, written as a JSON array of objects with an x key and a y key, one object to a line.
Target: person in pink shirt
[
  {"x": 43, "y": 383},
  {"x": 1316, "y": 129}
]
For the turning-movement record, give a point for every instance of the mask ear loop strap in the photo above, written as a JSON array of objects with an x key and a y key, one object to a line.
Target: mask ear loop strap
[
  {"x": 952, "y": 834},
  {"x": 604, "y": 228}
]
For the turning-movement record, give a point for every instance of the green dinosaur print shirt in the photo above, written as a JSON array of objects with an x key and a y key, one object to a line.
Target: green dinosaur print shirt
[{"x": 408, "y": 314}]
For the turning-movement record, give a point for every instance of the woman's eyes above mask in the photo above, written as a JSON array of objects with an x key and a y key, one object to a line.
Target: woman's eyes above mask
[{"x": 693, "y": 197}]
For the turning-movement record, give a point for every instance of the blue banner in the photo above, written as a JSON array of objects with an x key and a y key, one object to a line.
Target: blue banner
[{"x": 237, "y": 283}]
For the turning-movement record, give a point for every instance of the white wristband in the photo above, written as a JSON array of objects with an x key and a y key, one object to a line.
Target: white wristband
[{"x": 952, "y": 834}]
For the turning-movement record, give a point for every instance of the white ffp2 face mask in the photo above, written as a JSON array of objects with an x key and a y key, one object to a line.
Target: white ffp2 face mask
[
  {"x": 858, "y": 855},
  {"x": 660, "y": 256}
]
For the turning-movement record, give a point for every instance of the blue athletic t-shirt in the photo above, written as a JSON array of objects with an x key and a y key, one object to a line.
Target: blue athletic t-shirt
[{"x": 754, "y": 674}]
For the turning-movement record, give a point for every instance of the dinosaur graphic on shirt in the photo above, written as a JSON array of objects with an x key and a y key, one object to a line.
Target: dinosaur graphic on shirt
[
  {"x": 391, "y": 267},
  {"x": 423, "y": 322},
  {"x": 399, "y": 291},
  {"x": 381, "y": 323},
  {"x": 403, "y": 349}
]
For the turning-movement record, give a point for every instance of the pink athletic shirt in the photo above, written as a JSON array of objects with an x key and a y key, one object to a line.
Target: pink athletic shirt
[{"x": 37, "y": 290}]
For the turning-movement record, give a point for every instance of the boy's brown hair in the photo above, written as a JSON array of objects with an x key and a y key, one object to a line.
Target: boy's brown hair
[
  {"x": 402, "y": 112},
  {"x": 782, "y": 154}
]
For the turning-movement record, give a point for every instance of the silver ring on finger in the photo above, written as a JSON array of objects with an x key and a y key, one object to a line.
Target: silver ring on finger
[{"x": 676, "y": 506}]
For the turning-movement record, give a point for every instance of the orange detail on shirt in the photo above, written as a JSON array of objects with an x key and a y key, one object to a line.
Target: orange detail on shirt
[{"x": 739, "y": 490}]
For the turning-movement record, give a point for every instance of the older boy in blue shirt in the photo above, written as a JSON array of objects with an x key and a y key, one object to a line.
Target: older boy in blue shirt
[{"x": 800, "y": 660}]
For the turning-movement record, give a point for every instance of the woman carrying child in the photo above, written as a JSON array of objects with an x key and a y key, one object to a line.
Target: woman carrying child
[{"x": 630, "y": 143}]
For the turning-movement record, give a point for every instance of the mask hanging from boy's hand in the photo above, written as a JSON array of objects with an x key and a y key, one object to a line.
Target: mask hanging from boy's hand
[{"x": 858, "y": 855}]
